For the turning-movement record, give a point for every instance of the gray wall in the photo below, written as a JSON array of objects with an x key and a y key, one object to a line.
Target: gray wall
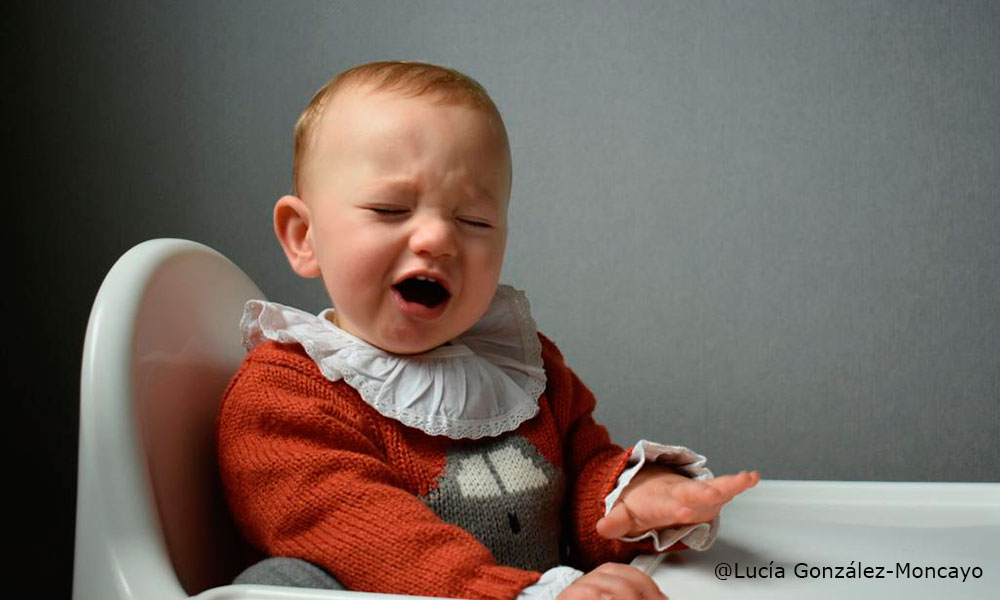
[{"x": 768, "y": 230}]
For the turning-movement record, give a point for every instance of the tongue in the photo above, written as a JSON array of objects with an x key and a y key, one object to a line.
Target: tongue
[{"x": 428, "y": 293}]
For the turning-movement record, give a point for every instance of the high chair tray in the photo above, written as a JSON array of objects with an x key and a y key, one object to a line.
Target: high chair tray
[{"x": 830, "y": 539}]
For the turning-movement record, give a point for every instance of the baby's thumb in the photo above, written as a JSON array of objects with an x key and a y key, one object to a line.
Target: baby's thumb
[{"x": 615, "y": 524}]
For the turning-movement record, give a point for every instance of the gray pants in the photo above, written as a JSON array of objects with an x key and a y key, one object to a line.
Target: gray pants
[{"x": 288, "y": 572}]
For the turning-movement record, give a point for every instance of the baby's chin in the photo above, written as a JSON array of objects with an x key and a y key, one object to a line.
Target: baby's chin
[
  {"x": 410, "y": 341},
  {"x": 415, "y": 347},
  {"x": 410, "y": 350},
  {"x": 411, "y": 336}
]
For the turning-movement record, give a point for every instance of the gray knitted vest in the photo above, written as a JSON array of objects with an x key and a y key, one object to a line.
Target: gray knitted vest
[{"x": 502, "y": 491}]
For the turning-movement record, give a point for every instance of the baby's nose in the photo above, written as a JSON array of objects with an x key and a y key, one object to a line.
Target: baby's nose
[{"x": 434, "y": 236}]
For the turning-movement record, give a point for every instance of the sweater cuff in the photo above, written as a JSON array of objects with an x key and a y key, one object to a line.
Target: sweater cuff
[
  {"x": 551, "y": 584},
  {"x": 497, "y": 582},
  {"x": 699, "y": 536}
]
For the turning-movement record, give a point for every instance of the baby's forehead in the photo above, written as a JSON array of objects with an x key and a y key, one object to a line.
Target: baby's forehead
[
  {"x": 381, "y": 131},
  {"x": 360, "y": 106},
  {"x": 364, "y": 113}
]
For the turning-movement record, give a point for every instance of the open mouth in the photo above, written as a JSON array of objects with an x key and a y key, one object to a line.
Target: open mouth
[{"x": 422, "y": 290}]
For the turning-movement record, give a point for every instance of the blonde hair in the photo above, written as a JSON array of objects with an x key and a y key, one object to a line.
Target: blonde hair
[{"x": 409, "y": 79}]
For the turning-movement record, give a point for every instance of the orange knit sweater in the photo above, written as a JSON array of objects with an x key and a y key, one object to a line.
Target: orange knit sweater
[{"x": 313, "y": 472}]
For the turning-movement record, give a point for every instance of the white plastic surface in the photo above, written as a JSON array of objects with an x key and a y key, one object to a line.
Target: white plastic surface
[
  {"x": 266, "y": 592},
  {"x": 160, "y": 345},
  {"x": 162, "y": 342},
  {"x": 830, "y": 524}
]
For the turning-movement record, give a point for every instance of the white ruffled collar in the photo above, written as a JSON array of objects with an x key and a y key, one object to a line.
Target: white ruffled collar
[{"x": 484, "y": 383}]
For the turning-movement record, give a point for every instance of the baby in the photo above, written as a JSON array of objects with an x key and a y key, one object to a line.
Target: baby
[{"x": 421, "y": 437}]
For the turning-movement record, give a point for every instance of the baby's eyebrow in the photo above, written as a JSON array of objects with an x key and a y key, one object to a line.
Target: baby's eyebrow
[
  {"x": 410, "y": 187},
  {"x": 482, "y": 194},
  {"x": 401, "y": 187}
]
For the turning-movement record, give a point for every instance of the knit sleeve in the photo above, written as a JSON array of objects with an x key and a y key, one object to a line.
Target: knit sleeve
[
  {"x": 592, "y": 462},
  {"x": 305, "y": 478}
]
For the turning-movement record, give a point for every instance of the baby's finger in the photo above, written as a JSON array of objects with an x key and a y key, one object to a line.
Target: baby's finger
[
  {"x": 696, "y": 494},
  {"x": 626, "y": 581},
  {"x": 665, "y": 510},
  {"x": 731, "y": 485},
  {"x": 686, "y": 502},
  {"x": 616, "y": 523}
]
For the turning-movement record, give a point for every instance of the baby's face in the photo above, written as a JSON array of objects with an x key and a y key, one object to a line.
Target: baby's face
[{"x": 408, "y": 210}]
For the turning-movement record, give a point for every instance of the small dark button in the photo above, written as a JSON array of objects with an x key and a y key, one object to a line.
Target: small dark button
[{"x": 515, "y": 525}]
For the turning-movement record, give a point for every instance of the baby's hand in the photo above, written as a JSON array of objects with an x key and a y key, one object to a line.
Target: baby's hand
[
  {"x": 657, "y": 498},
  {"x": 613, "y": 580}
]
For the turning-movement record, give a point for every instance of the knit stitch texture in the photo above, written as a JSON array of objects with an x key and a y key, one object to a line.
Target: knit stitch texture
[{"x": 313, "y": 472}]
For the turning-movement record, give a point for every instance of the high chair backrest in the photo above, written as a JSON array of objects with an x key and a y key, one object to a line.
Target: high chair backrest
[{"x": 162, "y": 342}]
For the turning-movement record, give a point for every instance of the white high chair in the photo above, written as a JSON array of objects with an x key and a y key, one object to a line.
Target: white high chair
[
  {"x": 162, "y": 342},
  {"x": 151, "y": 523}
]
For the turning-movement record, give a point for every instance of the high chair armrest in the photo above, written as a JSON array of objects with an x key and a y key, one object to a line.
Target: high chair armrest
[{"x": 270, "y": 592}]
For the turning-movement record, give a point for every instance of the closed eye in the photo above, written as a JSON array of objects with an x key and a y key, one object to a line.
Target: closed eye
[
  {"x": 474, "y": 223},
  {"x": 387, "y": 211}
]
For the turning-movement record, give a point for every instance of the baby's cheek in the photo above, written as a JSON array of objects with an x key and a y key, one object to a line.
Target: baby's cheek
[{"x": 486, "y": 264}]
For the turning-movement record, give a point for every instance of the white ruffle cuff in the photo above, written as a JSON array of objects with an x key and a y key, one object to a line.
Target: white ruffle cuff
[
  {"x": 692, "y": 464},
  {"x": 697, "y": 537},
  {"x": 550, "y": 584}
]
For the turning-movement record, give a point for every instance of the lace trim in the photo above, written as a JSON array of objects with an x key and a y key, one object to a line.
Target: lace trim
[
  {"x": 529, "y": 339},
  {"x": 435, "y": 424},
  {"x": 528, "y": 328},
  {"x": 323, "y": 341},
  {"x": 550, "y": 584},
  {"x": 698, "y": 536}
]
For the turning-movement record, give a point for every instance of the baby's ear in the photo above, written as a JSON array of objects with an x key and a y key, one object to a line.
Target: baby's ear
[{"x": 292, "y": 222}]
